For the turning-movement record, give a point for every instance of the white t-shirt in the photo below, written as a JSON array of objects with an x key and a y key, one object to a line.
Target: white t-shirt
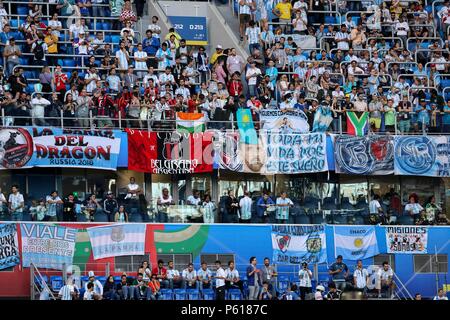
[
  {"x": 189, "y": 275},
  {"x": 16, "y": 200},
  {"x": 88, "y": 295},
  {"x": 140, "y": 65},
  {"x": 252, "y": 72},
  {"x": 374, "y": 206},
  {"x": 154, "y": 27},
  {"x": 171, "y": 273},
  {"x": 414, "y": 207},
  {"x": 305, "y": 278},
  {"x": 53, "y": 23},
  {"x": 385, "y": 275},
  {"x": 39, "y": 105},
  {"x": 440, "y": 298},
  {"x": 220, "y": 273},
  {"x": 193, "y": 201},
  {"x": 132, "y": 187},
  {"x": 165, "y": 201},
  {"x": 361, "y": 277}
]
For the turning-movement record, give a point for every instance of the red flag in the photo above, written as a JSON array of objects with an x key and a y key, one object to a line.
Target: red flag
[{"x": 139, "y": 150}]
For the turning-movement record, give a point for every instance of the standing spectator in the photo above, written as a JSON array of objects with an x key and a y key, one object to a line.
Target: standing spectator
[
  {"x": 39, "y": 49},
  {"x": 283, "y": 204},
  {"x": 262, "y": 206},
  {"x": 305, "y": 276},
  {"x": 253, "y": 34},
  {"x": 235, "y": 63},
  {"x": 202, "y": 64},
  {"x": 208, "y": 209},
  {"x": 110, "y": 206},
  {"x": 163, "y": 202},
  {"x": 127, "y": 13},
  {"x": 413, "y": 208},
  {"x": 11, "y": 53},
  {"x": 59, "y": 81},
  {"x": 68, "y": 291},
  {"x": 38, "y": 111},
  {"x": 3, "y": 203},
  {"x": 283, "y": 10},
  {"x": 339, "y": 272},
  {"x": 252, "y": 75},
  {"x": 69, "y": 213},
  {"x": 232, "y": 207},
  {"x": 132, "y": 197},
  {"x": 16, "y": 204},
  {"x": 82, "y": 111},
  {"x": 245, "y": 208},
  {"x": 220, "y": 281},
  {"x": 253, "y": 279},
  {"x": 53, "y": 200},
  {"x": 245, "y": 8},
  {"x": 360, "y": 278},
  {"x": 269, "y": 275},
  {"x": 122, "y": 57}
]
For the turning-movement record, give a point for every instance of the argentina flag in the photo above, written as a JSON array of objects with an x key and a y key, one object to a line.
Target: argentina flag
[
  {"x": 355, "y": 242},
  {"x": 117, "y": 240}
]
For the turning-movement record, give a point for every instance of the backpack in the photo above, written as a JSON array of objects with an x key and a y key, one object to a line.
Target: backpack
[{"x": 38, "y": 51}]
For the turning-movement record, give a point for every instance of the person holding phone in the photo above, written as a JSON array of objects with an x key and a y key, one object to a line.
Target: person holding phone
[{"x": 305, "y": 276}]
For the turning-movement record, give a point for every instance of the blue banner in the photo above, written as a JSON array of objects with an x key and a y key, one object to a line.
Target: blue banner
[
  {"x": 193, "y": 29},
  {"x": 56, "y": 147},
  {"x": 355, "y": 242},
  {"x": 368, "y": 155},
  {"x": 9, "y": 246},
  {"x": 47, "y": 246},
  {"x": 297, "y": 244},
  {"x": 422, "y": 156}
]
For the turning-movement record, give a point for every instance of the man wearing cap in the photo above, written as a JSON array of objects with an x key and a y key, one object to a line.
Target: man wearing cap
[
  {"x": 110, "y": 206},
  {"x": 98, "y": 287},
  {"x": 219, "y": 52}
]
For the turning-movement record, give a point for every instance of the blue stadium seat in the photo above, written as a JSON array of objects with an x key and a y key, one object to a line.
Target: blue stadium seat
[
  {"x": 107, "y": 26},
  {"x": 179, "y": 294},
  {"x": 358, "y": 220},
  {"x": 68, "y": 62},
  {"x": 108, "y": 39},
  {"x": 37, "y": 279},
  {"x": 339, "y": 219},
  {"x": 166, "y": 294},
  {"x": 330, "y": 20},
  {"x": 102, "y": 279},
  {"x": 405, "y": 220},
  {"x": 445, "y": 83},
  {"x": 283, "y": 285},
  {"x": 193, "y": 294},
  {"x": 317, "y": 219},
  {"x": 22, "y": 10},
  {"x": 302, "y": 219},
  {"x": 30, "y": 88},
  {"x": 234, "y": 294},
  {"x": 14, "y": 23},
  {"x": 117, "y": 279},
  {"x": 56, "y": 282},
  {"x": 115, "y": 39},
  {"x": 100, "y": 217},
  {"x": 83, "y": 280},
  {"x": 208, "y": 294},
  {"x": 99, "y": 26},
  {"x": 82, "y": 291}
]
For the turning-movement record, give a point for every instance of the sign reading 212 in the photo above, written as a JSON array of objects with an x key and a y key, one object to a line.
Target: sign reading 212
[{"x": 415, "y": 155}]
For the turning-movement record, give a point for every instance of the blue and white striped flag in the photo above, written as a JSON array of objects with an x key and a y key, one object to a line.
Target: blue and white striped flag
[
  {"x": 117, "y": 240},
  {"x": 355, "y": 242}
]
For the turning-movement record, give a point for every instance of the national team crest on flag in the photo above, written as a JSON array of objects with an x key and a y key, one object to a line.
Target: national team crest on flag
[
  {"x": 355, "y": 242},
  {"x": 357, "y": 123},
  {"x": 189, "y": 122},
  {"x": 117, "y": 240}
]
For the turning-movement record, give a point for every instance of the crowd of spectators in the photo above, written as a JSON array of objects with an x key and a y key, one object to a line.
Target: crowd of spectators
[
  {"x": 163, "y": 282},
  {"x": 248, "y": 208},
  {"x": 387, "y": 58}
]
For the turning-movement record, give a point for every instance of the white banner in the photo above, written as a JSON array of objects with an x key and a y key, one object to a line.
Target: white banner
[
  {"x": 275, "y": 120},
  {"x": 407, "y": 240}
]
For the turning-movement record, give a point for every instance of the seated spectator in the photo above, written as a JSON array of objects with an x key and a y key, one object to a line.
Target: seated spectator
[
  {"x": 190, "y": 277},
  {"x": 141, "y": 289},
  {"x": 110, "y": 289},
  {"x": 161, "y": 274},
  {"x": 94, "y": 287},
  {"x": 232, "y": 279},
  {"x": 125, "y": 291},
  {"x": 333, "y": 293},
  {"x": 174, "y": 277}
]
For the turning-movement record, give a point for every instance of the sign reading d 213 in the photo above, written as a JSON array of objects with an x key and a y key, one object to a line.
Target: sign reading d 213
[{"x": 193, "y": 29}]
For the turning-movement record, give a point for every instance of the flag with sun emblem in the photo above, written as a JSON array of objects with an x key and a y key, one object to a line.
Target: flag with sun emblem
[
  {"x": 355, "y": 242},
  {"x": 246, "y": 127}
]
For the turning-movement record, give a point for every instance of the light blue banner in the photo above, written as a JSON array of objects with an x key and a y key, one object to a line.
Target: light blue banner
[
  {"x": 47, "y": 246},
  {"x": 355, "y": 242},
  {"x": 297, "y": 244},
  {"x": 9, "y": 246}
]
